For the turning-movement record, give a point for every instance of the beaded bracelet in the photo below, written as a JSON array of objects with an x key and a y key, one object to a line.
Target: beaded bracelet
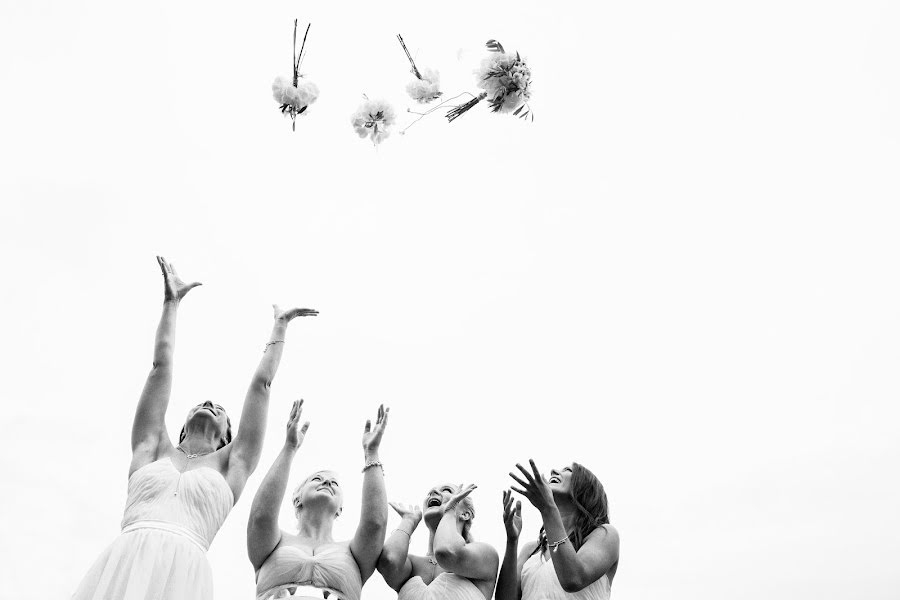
[
  {"x": 554, "y": 545},
  {"x": 272, "y": 344},
  {"x": 373, "y": 463}
]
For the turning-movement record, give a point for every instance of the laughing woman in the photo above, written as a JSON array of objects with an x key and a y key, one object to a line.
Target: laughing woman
[
  {"x": 577, "y": 551},
  {"x": 309, "y": 563},
  {"x": 179, "y": 495},
  {"x": 455, "y": 567}
]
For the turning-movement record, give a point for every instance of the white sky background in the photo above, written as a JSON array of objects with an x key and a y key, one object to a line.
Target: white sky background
[{"x": 682, "y": 274}]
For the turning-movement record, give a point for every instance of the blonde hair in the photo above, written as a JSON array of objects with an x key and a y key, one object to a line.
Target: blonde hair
[{"x": 296, "y": 493}]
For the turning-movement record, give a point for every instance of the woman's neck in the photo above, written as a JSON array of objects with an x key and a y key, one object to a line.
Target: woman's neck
[
  {"x": 316, "y": 525},
  {"x": 200, "y": 441},
  {"x": 568, "y": 513}
]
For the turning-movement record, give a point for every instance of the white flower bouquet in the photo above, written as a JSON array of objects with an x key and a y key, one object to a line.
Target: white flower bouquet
[
  {"x": 427, "y": 84},
  {"x": 506, "y": 81},
  {"x": 294, "y": 96},
  {"x": 374, "y": 119}
]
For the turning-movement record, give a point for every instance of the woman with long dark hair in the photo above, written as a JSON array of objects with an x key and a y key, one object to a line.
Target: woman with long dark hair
[
  {"x": 577, "y": 551},
  {"x": 179, "y": 495}
]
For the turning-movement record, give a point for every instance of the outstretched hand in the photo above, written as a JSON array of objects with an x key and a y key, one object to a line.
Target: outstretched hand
[
  {"x": 456, "y": 498},
  {"x": 534, "y": 487},
  {"x": 288, "y": 315},
  {"x": 411, "y": 512},
  {"x": 372, "y": 435},
  {"x": 512, "y": 517},
  {"x": 175, "y": 289},
  {"x": 295, "y": 435}
]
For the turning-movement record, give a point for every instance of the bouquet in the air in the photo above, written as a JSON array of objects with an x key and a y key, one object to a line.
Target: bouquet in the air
[
  {"x": 427, "y": 84},
  {"x": 506, "y": 81},
  {"x": 294, "y": 96},
  {"x": 374, "y": 119}
]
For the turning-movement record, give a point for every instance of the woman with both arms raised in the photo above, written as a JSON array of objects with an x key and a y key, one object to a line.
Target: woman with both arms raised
[
  {"x": 179, "y": 496},
  {"x": 577, "y": 551},
  {"x": 455, "y": 567},
  {"x": 309, "y": 563}
]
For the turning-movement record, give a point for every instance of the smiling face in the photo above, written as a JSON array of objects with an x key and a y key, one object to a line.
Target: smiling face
[
  {"x": 436, "y": 498},
  {"x": 321, "y": 491},
  {"x": 560, "y": 480},
  {"x": 433, "y": 511},
  {"x": 208, "y": 415}
]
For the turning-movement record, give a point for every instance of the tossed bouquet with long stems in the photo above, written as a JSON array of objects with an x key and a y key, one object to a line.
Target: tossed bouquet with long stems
[
  {"x": 294, "y": 96},
  {"x": 427, "y": 84}
]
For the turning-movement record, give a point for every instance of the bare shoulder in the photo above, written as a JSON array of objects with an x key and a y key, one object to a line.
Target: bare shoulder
[
  {"x": 149, "y": 451},
  {"x": 605, "y": 537},
  {"x": 484, "y": 549},
  {"x": 604, "y": 532},
  {"x": 528, "y": 549}
]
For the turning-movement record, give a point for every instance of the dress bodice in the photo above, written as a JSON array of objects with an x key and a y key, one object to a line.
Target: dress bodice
[
  {"x": 332, "y": 567},
  {"x": 197, "y": 500},
  {"x": 539, "y": 582},
  {"x": 446, "y": 586}
]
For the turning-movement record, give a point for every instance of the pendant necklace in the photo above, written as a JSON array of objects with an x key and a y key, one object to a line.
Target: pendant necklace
[
  {"x": 189, "y": 457},
  {"x": 433, "y": 566}
]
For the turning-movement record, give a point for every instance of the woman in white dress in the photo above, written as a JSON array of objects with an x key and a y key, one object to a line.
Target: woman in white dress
[
  {"x": 310, "y": 563},
  {"x": 577, "y": 551},
  {"x": 179, "y": 495},
  {"x": 455, "y": 567}
]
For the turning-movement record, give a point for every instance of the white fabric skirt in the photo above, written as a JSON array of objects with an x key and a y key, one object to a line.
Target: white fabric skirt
[{"x": 149, "y": 562}]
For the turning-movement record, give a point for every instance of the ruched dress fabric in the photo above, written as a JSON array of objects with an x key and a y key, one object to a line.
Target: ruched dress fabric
[
  {"x": 331, "y": 568},
  {"x": 170, "y": 519},
  {"x": 446, "y": 586},
  {"x": 539, "y": 582}
]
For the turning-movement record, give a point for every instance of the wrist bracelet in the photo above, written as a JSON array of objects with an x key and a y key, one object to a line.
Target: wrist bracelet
[
  {"x": 404, "y": 531},
  {"x": 554, "y": 545},
  {"x": 373, "y": 463},
  {"x": 272, "y": 344}
]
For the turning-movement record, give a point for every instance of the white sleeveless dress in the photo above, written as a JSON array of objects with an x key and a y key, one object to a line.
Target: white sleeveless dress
[
  {"x": 446, "y": 586},
  {"x": 170, "y": 520},
  {"x": 539, "y": 582},
  {"x": 332, "y": 568}
]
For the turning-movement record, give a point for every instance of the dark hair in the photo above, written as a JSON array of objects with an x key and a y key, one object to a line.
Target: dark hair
[
  {"x": 589, "y": 498},
  {"x": 225, "y": 441}
]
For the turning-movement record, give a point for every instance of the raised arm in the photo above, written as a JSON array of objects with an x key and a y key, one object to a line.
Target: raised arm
[
  {"x": 369, "y": 538},
  {"x": 149, "y": 428},
  {"x": 599, "y": 553},
  {"x": 394, "y": 564},
  {"x": 247, "y": 444},
  {"x": 509, "y": 582},
  {"x": 474, "y": 560},
  {"x": 263, "y": 533}
]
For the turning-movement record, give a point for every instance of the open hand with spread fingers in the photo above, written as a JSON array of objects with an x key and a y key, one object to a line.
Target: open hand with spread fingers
[
  {"x": 512, "y": 516},
  {"x": 175, "y": 289},
  {"x": 408, "y": 512},
  {"x": 295, "y": 434},
  {"x": 455, "y": 499},
  {"x": 288, "y": 315},
  {"x": 372, "y": 435},
  {"x": 534, "y": 487}
]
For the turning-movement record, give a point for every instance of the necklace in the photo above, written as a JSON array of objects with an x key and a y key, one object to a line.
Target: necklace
[
  {"x": 433, "y": 566},
  {"x": 195, "y": 455}
]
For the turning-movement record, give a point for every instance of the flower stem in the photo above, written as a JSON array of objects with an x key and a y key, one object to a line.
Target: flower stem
[
  {"x": 409, "y": 56},
  {"x": 456, "y": 112}
]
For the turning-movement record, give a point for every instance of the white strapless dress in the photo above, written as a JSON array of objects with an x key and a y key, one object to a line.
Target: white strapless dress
[
  {"x": 170, "y": 519},
  {"x": 539, "y": 582}
]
